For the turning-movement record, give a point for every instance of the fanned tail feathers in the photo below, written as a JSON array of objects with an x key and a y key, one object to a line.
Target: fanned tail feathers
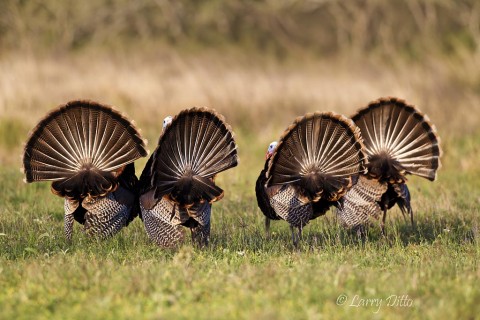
[
  {"x": 398, "y": 139},
  {"x": 82, "y": 147},
  {"x": 197, "y": 145},
  {"x": 319, "y": 153}
]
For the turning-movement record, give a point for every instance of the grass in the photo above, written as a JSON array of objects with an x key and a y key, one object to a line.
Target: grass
[
  {"x": 241, "y": 274},
  {"x": 435, "y": 268}
]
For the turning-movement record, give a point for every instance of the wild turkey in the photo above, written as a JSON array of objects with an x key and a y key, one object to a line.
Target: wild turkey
[
  {"x": 178, "y": 182},
  {"x": 262, "y": 199},
  {"x": 399, "y": 140},
  {"x": 87, "y": 150},
  {"x": 316, "y": 161}
]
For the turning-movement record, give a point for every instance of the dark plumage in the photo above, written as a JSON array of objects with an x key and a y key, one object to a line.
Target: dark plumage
[
  {"x": 177, "y": 184},
  {"x": 87, "y": 150},
  {"x": 399, "y": 140},
  {"x": 263, "y": 200},
  {"x": 315, "y": 163}
]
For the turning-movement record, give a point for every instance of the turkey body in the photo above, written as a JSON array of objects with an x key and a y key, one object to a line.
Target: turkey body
[
  {"x": 87, "y": 150},
  {"x": 399, "y": 140},
  {"x": 316, "y": 161},
  {"x": 263, "y": 201},
  {"x": 105, "y": 216},
  {"x": 177, "y": 186}
]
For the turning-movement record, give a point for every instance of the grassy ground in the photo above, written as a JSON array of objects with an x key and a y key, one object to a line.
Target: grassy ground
[
  {"x": 242, "y": 275},
  {"x": 433, "y": 271}
]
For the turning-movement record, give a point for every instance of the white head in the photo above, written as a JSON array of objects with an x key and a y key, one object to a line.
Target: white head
[
  {"x": 271, "y": 149},
  {"x": 167, "y": 121}
]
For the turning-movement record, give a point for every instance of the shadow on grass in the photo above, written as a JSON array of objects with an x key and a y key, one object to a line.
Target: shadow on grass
[{"x": 29, "y": 236}]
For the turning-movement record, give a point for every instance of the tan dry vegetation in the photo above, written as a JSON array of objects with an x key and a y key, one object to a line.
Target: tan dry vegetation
[
  {"x": 257, "y": 95},
  {"x": 410, "y": 28}
]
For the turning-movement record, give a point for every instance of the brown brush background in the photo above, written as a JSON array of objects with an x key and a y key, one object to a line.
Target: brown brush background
[{"x": 260, "y": 63}]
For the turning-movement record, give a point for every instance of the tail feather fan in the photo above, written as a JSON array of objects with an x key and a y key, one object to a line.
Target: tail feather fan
[{"x": 82, "y": 147}]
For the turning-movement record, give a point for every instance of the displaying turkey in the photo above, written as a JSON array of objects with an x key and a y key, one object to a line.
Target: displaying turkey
[
  {"x": 87, "y": 150},
  {"x": 399, "y": 140},
  {"x": 316, "y": 161},
  {"x": 177, "y": 186},
  {"x": 262, "y": 199}
]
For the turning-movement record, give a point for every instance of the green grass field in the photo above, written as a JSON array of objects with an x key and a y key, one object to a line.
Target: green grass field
[{"x": 435, "y": 268}]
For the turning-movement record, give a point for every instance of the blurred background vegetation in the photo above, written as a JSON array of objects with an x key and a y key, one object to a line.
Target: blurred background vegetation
[
  {"x": 248, "y": 59},
  {"x": 412, "y": 29}
]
